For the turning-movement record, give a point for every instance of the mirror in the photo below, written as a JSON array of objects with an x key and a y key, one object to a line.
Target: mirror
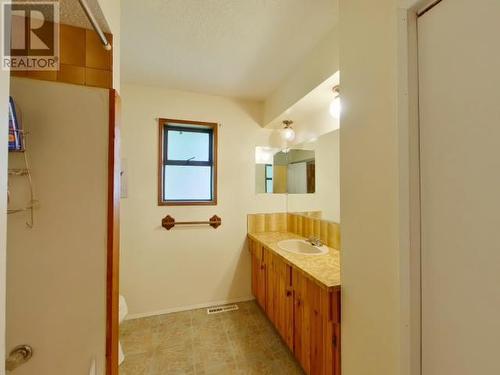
[
  {"x": 325, "y": 202},
  {"x": 308, "y": 174},
  {"x": 289, "y": 171}
]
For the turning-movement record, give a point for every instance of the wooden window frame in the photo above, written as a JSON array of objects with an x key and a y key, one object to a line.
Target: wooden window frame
[{"x": 213, "y": 128}]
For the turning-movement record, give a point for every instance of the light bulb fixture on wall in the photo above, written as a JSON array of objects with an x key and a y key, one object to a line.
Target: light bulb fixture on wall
[
  {"x": 287, "y": 133},
  {"x": 335, "y": 106}
]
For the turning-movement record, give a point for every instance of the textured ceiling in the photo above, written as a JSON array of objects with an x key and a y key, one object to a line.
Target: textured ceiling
[
  {"x": 71, "y": 13},
  {"x": 240, "y": 48}
]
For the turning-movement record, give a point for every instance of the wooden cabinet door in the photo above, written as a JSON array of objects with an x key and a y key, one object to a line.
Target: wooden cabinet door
[
  {"x": 271, "y": 286},
  {"x": 335, "y": 328},
  {"x": 285, "y": 290},
  {"x": 258, "y": 284},
  {"x": 252, "y": 245},
  {"x": 316, "y": 327},
  {"x": 302, "y": 320},
  {"x": 319, "y": 320},
  {"x": 336, "y": 350},
  {"x": 280, "y": 298},
  {"x": 259, "y": 271},
  {"x": 331, "y": 337}
]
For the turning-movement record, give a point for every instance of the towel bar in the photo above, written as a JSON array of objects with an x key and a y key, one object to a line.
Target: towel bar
[{"x": 168, "y": 222}]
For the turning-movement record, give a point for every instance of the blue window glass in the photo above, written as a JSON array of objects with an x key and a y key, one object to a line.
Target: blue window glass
[
  {"x": 269, "y": 178},
  {"x": 269, "y": 186},
  {"x": 269, "y": 171},
  {"x": 188, "y": 145},
  {"x": 191, "y": 183}
]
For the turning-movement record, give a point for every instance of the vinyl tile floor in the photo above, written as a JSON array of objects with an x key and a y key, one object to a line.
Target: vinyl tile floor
[{"x": 192, "y": 342}]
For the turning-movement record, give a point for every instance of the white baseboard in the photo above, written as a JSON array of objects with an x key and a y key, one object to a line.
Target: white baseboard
[{"x": 186, "y": 308}]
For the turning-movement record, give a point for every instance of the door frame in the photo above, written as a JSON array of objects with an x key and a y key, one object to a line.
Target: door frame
[
  {"x": 409, "y": 168},
  {"x": 113, "y": 234}
]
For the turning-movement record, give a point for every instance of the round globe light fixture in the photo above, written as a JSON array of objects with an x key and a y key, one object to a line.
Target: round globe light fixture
[{"x": 287, "y": 133}]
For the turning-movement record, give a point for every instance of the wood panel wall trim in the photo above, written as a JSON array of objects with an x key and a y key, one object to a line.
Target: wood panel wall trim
[
  {"x": 82, "y": 60},
  {"x": 113, "y": 233}
]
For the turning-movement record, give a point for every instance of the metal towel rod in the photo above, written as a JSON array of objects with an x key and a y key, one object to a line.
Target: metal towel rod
[
  {"x": 169, "y": 222},
  {"x": 95, "y": 25}
]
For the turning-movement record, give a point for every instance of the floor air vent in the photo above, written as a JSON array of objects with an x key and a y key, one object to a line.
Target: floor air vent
[{"x": 221, "y": 309}]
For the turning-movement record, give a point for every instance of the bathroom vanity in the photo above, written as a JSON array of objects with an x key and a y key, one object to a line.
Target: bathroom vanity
[
  {"x": 299, "y": 293},
  {"x": 296, "y": 283}
]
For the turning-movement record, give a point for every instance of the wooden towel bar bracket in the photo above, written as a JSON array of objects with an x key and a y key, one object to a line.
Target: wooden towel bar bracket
[{"x": 168, "y": 222}]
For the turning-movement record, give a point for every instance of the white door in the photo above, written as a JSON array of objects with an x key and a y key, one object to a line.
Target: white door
[
  {"x": 459, "y": 70},
  {"x": 297, "y": 178}
]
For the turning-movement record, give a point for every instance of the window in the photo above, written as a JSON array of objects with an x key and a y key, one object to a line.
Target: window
[
  {"x": 187, "y": 163},
  {"x": 269, "y": 178}
]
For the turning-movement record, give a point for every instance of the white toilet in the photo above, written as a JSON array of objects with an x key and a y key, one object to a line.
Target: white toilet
[{"x": 122, "y": 311}]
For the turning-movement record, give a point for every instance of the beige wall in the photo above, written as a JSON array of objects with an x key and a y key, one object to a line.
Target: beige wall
[
  {"x": 164, "y": 271},
  {"x": 369, "y": 177},
  {"x": 327, "y": 196},
  {"x": 313, "y": 125},
  {"x": 320, "y": 64},
  {"x": 328, "y": 175},
  {"x": 56, "y": 279}
]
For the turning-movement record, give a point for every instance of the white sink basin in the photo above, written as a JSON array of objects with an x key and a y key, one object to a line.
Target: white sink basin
[{"x": 302, "y": 247}]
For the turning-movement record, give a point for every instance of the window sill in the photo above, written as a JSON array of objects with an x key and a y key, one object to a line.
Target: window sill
[{"x": 188, "y": 203}]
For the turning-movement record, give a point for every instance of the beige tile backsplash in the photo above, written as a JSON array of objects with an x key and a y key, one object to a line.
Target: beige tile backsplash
[{"x": 305, "y": 226}]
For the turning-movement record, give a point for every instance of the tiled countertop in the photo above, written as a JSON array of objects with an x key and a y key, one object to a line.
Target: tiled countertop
[{"x": 325, "y": 269}]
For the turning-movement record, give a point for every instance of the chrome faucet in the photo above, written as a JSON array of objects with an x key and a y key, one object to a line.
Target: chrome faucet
[{"x": 315, "y": 241}]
